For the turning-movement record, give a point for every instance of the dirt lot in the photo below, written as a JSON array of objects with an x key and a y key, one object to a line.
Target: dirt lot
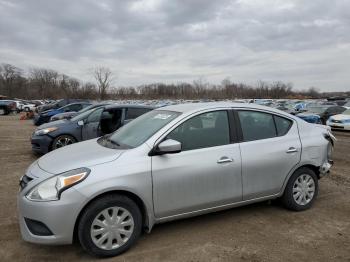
[{"x": 260, "y": 232}]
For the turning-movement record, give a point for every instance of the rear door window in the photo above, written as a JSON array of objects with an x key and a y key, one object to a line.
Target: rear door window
[{"x": 256, "y": 125}]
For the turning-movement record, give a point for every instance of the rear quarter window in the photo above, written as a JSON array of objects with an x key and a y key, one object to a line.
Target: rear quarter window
[{"x": 282, "y": 125}]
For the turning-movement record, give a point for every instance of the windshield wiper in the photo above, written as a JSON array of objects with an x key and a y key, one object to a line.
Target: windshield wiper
[
  {"x": 107, "y": 138},
  {"x": 113, "y": 142}
]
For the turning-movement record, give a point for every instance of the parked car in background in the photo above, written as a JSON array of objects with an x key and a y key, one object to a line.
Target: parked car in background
[
  {"x": 347, "y": 105},
  {"x": 19, "y": 105},
  {"x": 87, "y": 125},
  {"x": 171, "y": 163},
  {"x": 58, "y": 104},
  {"x": 7, "y": 106},
  {"x": 27, "y": 106},
  {"x": 320, "y": 114},
  {"x": 44, "y": 116},
  {"x": 37, "y": 102},
  {"x": 341, "y": 121},
  {"x": 69, "y": 115}
]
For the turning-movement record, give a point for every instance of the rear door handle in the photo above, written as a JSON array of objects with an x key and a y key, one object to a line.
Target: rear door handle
[
  {"x": 292, "y": 150},
  {"x": 224, "y": 159}
]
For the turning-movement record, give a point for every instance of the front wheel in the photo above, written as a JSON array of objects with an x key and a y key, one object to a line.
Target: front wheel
[
  {"x": 110, "y": 226},
  {"x": 301, "y": 190},
  {"x": 62, "y": 141}
]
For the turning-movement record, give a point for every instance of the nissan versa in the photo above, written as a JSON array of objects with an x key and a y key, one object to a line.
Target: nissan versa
[{"x": 170, "y": 163}]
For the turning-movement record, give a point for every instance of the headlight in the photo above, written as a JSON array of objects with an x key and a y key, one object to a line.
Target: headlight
[
  {"x": 346, "y": 121},
  {"x": 52, "y": 188},
  {"x": 45, "y": 131}
]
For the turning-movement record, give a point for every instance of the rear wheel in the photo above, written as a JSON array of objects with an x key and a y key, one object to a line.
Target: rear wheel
[
  {"x": 63, "y": 140},
  {"x": 301, "y": 190},
  {"x": 110, "y": 226}
]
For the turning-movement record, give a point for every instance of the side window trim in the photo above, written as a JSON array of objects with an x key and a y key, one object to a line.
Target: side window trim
[
  {"x": 274, "y": 123},
  {"x": 238, "y": 126},
  {"x": 233, "y": 128}
]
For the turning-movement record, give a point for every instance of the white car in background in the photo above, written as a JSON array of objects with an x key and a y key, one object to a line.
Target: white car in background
[
  {"x": 19, "y": 105},
  {"x": 28, "y": 107},
  {"x": 341, "y": 121}
]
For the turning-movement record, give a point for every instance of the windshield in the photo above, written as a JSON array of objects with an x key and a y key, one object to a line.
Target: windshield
[
  {"x": 142, "y": 128},
  {"x": 83, "y": 115},
  {"x": 86, "y": 108}
]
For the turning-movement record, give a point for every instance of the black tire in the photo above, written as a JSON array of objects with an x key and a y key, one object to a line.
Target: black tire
[
  {"x": 93, "y": 210},
  {"x": 288, "y": 198},
  {"x": 26, "y": 109},
  {"x": 56, "y": 141}
]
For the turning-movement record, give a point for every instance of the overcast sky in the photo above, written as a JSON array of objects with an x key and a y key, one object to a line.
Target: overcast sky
[{"x": 299, "y": 41}]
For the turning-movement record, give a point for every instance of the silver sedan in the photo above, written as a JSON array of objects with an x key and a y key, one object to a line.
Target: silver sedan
[{"x": 174, "y": 162}]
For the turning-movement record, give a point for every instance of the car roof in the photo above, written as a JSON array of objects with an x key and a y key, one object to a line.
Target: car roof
[
  {"x": 111, "y": 106},
  {"x": 190, "y": 107},
  {"x": 77, "y": 103}
]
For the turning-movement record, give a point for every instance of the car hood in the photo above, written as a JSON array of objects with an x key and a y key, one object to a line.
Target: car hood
[
  {"x": 341, "y": 117},
  {"x": 84, "y": 154},
  {"x": 54, "y": 123}
]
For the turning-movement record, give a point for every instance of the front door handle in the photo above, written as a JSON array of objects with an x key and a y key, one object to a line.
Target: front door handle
[
  {"x": 224, "y": 159},
  {"x": 292, "y": 150}
]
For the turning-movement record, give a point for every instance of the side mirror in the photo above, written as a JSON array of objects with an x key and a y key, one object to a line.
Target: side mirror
[
  {"x": 168, "y": 146},
  {"x": 80, "y": 123}
]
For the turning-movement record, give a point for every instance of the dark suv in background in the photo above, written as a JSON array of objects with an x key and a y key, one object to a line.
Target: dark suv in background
[
  {"x": 58, "y": 104},
  {"x": 87, "y": 125}
]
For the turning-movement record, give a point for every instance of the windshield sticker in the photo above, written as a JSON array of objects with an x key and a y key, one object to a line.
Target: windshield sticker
[{"x": 162, "y": 116}]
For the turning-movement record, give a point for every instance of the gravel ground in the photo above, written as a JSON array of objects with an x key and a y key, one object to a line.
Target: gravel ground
[{"x": 259, "y": 232}]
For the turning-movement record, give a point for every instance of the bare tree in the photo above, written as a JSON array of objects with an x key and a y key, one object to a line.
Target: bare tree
[
  {"x": 312, "y": 92},
  {"x": 104, "y": 79},
  {"x": 8, "y": 75},
  {"x": 46, "y": 81}
]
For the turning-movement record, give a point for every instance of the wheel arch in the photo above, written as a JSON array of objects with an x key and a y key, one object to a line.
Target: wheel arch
[
  {"x": 311, "y": 166},
  {"x": 139, "y": 202}
]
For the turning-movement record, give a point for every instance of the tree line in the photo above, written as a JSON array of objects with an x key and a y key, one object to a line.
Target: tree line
[{"x": 42, "y": 83}]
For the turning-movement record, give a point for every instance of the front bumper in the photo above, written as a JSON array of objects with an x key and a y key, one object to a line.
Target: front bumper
[
  {"x": 41, "y": 144},
  {"x": 58, "y": 216},
  {"x": 339, "y": 126}
]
